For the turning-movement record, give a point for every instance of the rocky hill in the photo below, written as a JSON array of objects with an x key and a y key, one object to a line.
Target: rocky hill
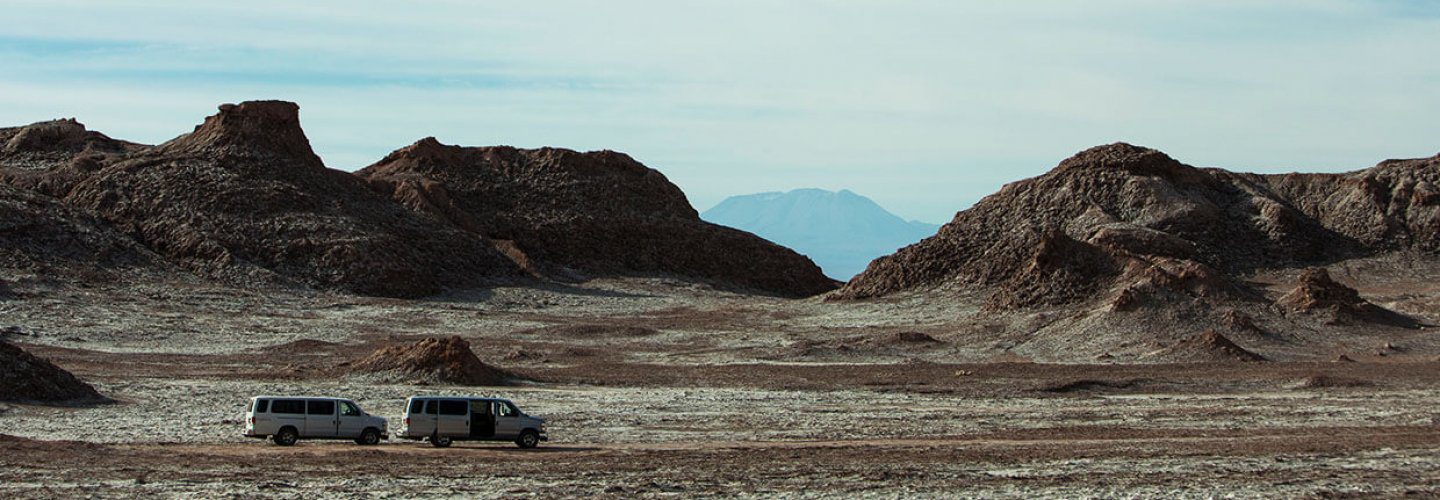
[
  {"x": 243, "y": 198},
  {"x": 1123, "y": 247},
  {"x": 842, "y": 231},
  {"x": 1122, "y": 213},
  {"x": 568, "y": 214}
]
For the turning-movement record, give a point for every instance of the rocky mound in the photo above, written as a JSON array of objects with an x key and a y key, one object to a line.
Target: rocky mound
[
  {"x": 243, "y": 198},
  {"x": 27, "y": 379},
  {"x": 570, "y": 214},
  {"x": 434, "y": 360},
  {"x": 39, "y": 236},
  {"x": 1131, "y": 226},
  {"x": 1317, "y": 292},
  {"x": 1209, "y": 346}
]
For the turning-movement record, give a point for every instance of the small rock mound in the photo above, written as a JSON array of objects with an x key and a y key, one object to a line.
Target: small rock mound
[
  {"x": 433, "y": 360},
  {"x": 1317, "y": 292},
  {"x": 1207, "y": 347},
  {"x": 28, "y": 379}
]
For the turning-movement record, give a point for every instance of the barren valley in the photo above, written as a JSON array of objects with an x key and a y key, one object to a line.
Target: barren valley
[{"x": 1124, "y": 325}]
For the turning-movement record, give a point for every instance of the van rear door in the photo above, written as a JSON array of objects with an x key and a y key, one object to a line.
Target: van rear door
[{"x": 420, "y": 420}]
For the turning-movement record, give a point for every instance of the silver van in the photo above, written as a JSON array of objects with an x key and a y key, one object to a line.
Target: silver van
[
  {"x": 288, "y": 419},
  {"x": 443, "y": 419}
]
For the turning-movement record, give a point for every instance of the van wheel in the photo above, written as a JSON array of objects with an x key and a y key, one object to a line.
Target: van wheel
[
  {"x": 528, "y": 439},
  {"x": 439, "y": 441},
  {"x": 370, "y": 437},
  {"x": 286, "y": 436}
]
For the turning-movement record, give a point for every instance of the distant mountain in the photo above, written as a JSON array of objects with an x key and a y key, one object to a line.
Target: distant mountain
[{"x": 841, "y": 231}]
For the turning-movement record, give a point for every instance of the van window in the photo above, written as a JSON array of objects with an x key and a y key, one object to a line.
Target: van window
[
  {"x": 349, "y": 409},
  {"x": 453, "y": 407},
  {"x": 430, "y": 408},
  {"x": 288, "y": 406},
  {"x": 507, "y": 409},
  {"x": 417, "y": 406},
  {"x": 319, "y": 407},
  {"x": 261, "y": 406}
]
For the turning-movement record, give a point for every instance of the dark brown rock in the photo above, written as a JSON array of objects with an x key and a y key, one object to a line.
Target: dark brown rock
[
  {"x": 571, "y": 214},
  {"x": 26, "y": 378}
]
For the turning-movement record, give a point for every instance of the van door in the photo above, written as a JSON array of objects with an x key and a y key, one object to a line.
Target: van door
[
  {"x": 352, "y": 420},
  {"x": 482, "y": 419},
  {"x": 507, "y": 420},
  {"x": 454, "y": 418},
  {"x": 286, "y": 412},
  {"x": 320, "y": 420}
]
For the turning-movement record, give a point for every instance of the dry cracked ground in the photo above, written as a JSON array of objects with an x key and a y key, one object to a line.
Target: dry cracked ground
[{"x": 656, "y": 388}]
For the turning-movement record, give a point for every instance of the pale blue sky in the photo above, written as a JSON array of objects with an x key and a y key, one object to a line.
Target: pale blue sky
[{"x": 923, "y": 106}]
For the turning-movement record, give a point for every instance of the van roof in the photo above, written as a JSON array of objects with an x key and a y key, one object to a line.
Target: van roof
[
  {"x": 302, "y": 397},
  {"x": 491, "y": 398}
]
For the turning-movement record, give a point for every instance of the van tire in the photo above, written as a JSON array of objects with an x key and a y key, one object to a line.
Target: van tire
[
  {"x": 439, "y": 442},
  {"x": 286, "y": 436},
  {"x": 528, "y": 439},
  {"x": 368, "y": 437}
]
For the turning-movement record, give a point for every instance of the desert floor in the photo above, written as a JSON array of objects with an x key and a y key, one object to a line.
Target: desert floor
[{"x": 667, "y": 389}]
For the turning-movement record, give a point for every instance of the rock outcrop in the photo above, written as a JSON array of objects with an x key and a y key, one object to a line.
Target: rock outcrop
[
  {"x": 51, "y": 157},
  {"x": 1121, "y": 223},
  {"x": 25, "y": 378},
  {"x": 431, "y": 361},
  {"x": 1317, "y": 293},
  {"x": 243, "y": 198},
  {"x": 570, "y": 214}
]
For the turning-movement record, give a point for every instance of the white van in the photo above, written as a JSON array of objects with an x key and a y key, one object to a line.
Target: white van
[
  {"x": 287, "y": 419},
  {"x": 443, "y": 419}
]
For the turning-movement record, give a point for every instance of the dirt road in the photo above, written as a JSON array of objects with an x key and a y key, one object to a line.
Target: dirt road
[{"x": 1052, "y": 462}]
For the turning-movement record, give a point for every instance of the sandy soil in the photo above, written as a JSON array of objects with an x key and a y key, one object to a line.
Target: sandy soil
[{"x": 657, "y": 388}]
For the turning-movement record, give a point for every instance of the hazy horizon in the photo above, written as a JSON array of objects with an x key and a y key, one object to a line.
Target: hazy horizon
[{"x": 923, "y": 106}]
